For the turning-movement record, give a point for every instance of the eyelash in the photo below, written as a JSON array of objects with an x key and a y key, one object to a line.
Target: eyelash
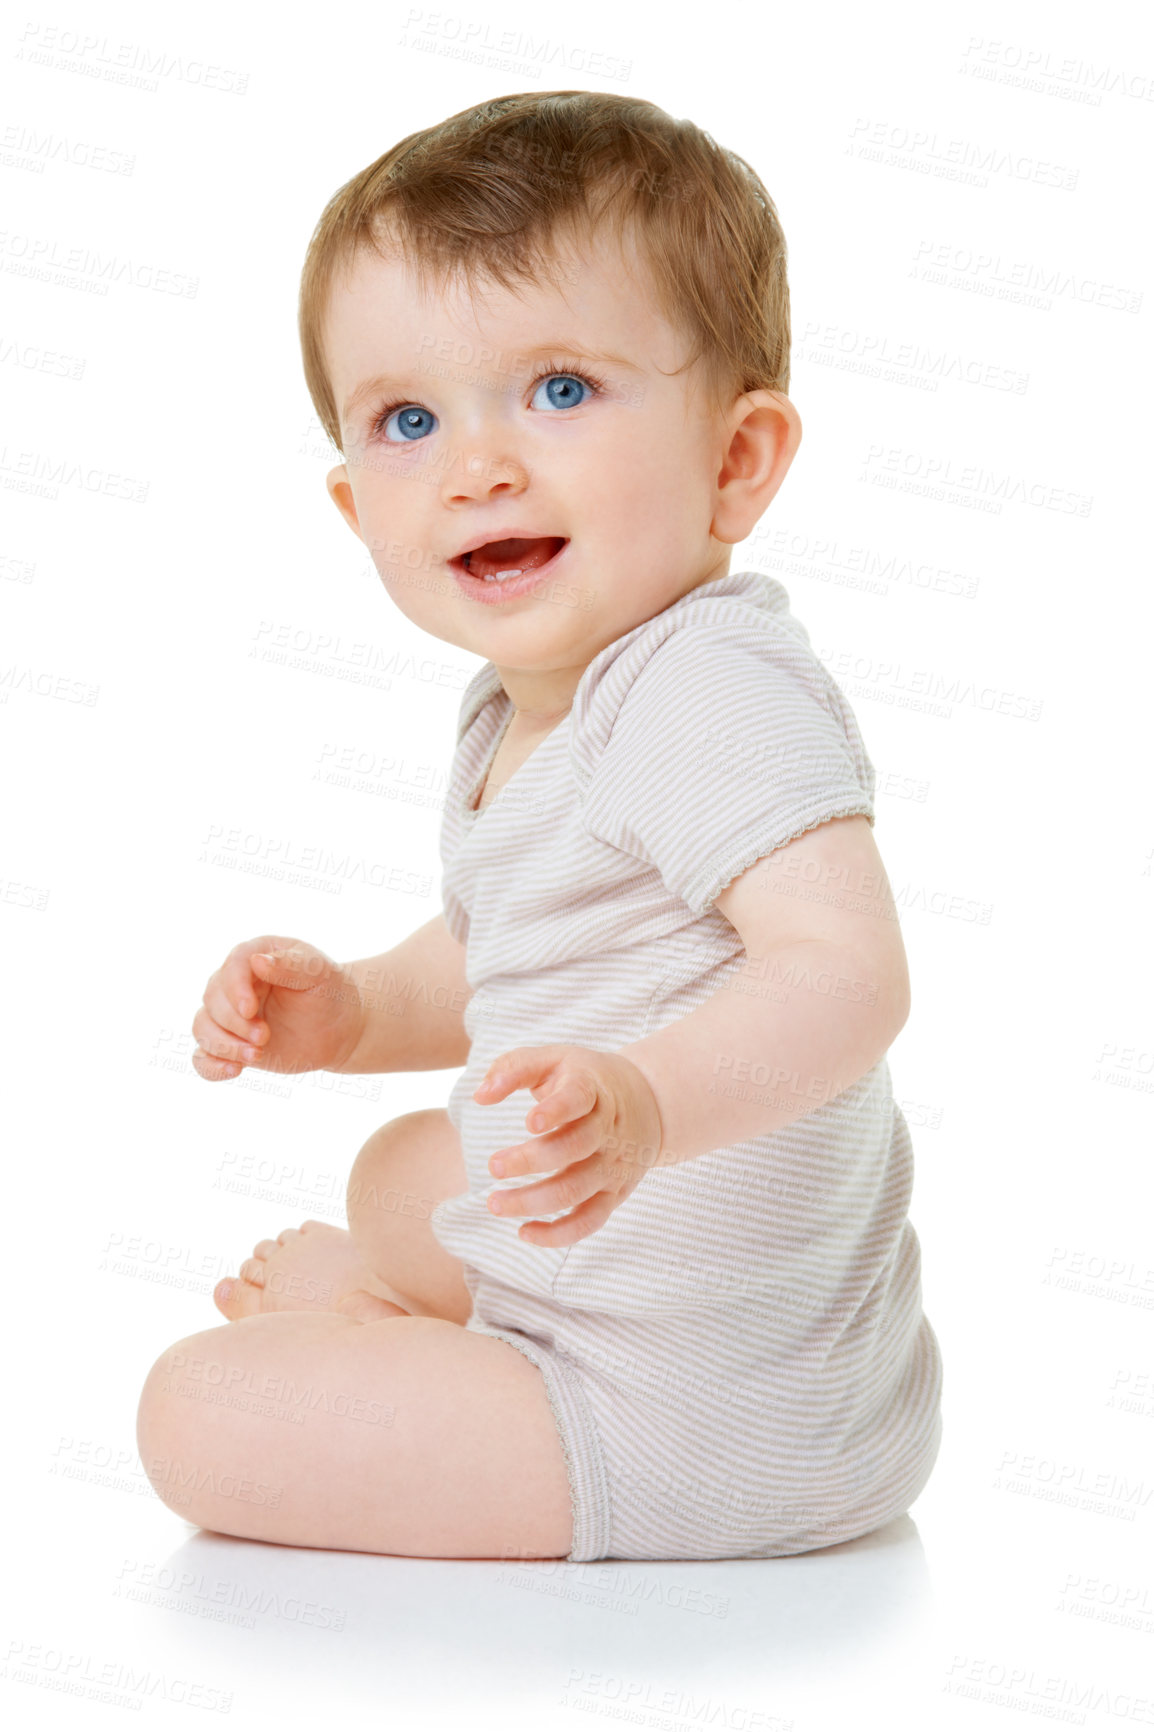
[{"x": 597, "y": 385}]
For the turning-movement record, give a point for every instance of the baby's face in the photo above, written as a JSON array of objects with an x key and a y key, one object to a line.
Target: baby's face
[{"x": 507, "y": 420}]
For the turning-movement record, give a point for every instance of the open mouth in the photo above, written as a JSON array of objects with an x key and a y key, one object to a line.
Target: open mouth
[{"x": 498, "y": 561}]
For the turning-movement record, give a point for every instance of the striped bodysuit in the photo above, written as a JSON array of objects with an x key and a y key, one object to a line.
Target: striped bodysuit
[{"x": 737, "y": 1361}]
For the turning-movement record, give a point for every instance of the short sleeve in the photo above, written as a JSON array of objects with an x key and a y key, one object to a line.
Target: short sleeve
[{"x": 730, "y": 741}]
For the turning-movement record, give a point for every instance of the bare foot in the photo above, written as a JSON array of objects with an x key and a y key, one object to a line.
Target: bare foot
[{"x": 313, "y": 1267}]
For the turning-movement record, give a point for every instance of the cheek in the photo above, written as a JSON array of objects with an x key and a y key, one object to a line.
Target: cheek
[
  {"x": 394, "y": 509},
  {"x": 622, "y": 483},
  {"x": 419, "y": 591},
  {"x": 646, "y": 457},
  {"x": 413, "y": 577}
]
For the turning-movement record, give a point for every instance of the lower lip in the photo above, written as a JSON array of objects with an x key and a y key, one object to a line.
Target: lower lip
[{"x": 491, "y": 593}]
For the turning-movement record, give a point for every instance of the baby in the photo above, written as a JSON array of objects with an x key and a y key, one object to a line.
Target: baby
[{"x": 647, "y": 1287}]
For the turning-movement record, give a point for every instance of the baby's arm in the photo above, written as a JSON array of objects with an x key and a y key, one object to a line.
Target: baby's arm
[
  {"x": 827, "y": 994},
  {"x": 414, "y": 998}
]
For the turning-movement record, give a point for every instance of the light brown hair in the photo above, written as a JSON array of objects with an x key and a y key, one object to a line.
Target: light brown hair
[{"x": 483, "y": 194}]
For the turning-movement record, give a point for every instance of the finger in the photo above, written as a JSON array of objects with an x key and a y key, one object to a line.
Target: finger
[
  {"x": 214, "y": 1069},
  {"x": 243, "y": 987},
  {"x": 525, "y": 1067},
  {"x": 223, "y": 1007},
  {"x": 563, "y": 1190},
  {"x": 571, "y": 1228},
  {"x": 573, "y": 1098},
  {"x": 296, "y": 967},
  {"x": 218, "y": 1042},
  {"x": 501, "y": 1078},
  {"x": 545, "y": 1154}
]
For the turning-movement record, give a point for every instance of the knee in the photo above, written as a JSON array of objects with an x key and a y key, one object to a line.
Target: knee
[
  {"x": 163, "y": 1433},
  {"x": 376, "y": 1179}
]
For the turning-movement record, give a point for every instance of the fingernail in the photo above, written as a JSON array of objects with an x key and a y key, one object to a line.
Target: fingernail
[{"x": 497, "y": 1167}]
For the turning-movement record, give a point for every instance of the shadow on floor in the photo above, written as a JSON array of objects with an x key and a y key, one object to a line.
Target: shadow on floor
[{"x": 396, "y": 1623}]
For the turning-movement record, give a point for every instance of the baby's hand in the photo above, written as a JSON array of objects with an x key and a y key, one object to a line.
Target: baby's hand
[
  {"x": 276, "y": 1004},
  {"x": 602, "y": 1128}
]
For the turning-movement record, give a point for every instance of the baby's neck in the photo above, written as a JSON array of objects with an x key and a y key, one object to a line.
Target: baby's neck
[
  {"x": 540, "y": 700},
  {"x": 532, "y": 720}
]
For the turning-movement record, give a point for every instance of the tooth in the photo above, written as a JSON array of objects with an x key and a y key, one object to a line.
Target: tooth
[{"x": 498, "y": 575}]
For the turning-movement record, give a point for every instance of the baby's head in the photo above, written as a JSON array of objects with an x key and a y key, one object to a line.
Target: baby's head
[{"x": 561, "y": 317}]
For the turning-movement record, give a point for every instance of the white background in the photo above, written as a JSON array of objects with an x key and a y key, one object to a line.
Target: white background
[{"x": 957, "y": 225}]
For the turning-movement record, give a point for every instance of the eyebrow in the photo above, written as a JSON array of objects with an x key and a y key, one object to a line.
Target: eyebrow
[{"x": 382, "y": 382}]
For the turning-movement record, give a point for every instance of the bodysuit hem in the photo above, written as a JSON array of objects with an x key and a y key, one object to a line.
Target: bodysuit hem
[{"x": 580, "y": 1444}]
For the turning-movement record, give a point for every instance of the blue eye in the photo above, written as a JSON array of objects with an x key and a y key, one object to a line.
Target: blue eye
[
  {"x": 565, "y": 390},
  {"x": 561, "y": 392},
  {"x": 412, "y": 420}
]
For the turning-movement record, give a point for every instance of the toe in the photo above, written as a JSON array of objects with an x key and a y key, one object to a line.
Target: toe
[
  {"x": 236, "y": 1298},
  {"x": 254, "y": 1269},
  {"x": 367, "y": 1307}
]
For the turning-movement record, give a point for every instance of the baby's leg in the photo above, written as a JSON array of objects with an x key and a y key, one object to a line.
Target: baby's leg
[
  {"x": 410, "y": 1436},
  {"x": 311, "y": 1423},
  {"x": 403, "y": 1171},
  {"x": 389, "y": 1262}
]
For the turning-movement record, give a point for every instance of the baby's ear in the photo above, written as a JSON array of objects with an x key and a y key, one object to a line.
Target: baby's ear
[
  {"x": 764, "y": 431},
  {"x": 341, "y": 493}
]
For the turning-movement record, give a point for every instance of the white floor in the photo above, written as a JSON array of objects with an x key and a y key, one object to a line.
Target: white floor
[
  {"x": 280, "y": 1635},
  {"x": 981, "y": 1608}
]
